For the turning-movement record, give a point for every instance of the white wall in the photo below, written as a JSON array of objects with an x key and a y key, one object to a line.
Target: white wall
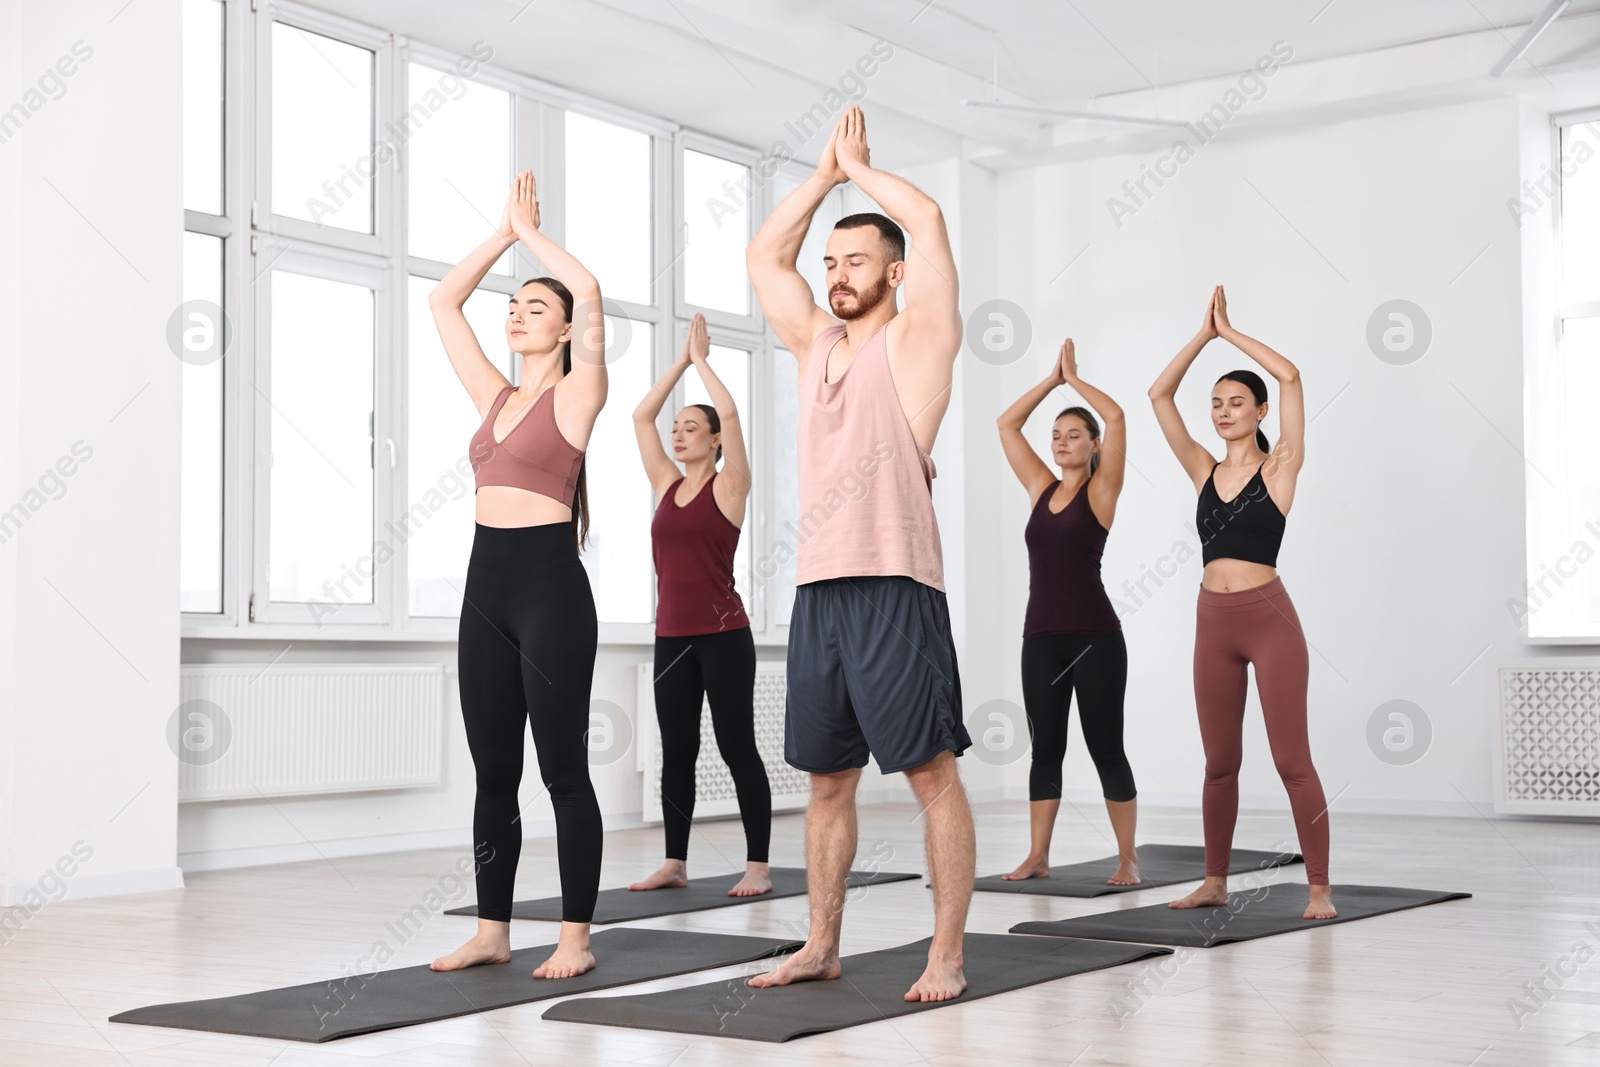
[
  {"x": 1406, "y": 535},
  {"x": 90, "y": 627}
]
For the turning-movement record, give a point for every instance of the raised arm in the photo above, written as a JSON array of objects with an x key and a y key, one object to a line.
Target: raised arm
[
  {"x": 1197, "y": 462},
  {"x": 585, "y": 385},
  {"x": 1030, "y": 470},
  {"x": 658, "y": 466},
  {"x": 482, "y": 379},
  {"x": 1289, "y": 452},
  {"x": 1106, "y": 485},
  {"x": 932, "y": 296},
  {"x": 733, "y": 488},
  {"x": 785, "y": 296}
]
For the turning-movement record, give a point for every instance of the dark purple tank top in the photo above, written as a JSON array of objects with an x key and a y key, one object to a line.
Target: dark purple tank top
[
  {"x": 694, "y": 547},
  {"x": 1065, "y": 593}
]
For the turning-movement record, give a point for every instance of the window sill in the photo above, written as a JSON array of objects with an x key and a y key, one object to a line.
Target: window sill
[
  {"x": 416, "y": 631},
  {"x": 1592, "y": 641}
]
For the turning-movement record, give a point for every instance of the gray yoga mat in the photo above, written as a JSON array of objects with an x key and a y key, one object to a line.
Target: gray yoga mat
[
  {"x": 342, "y": 1007},
  {"x": 624, "y": 905},
  {"x": 871, "y": 989},
  {"x": 1275, "y": 909},
  {"x": 1158, "y": 865}
]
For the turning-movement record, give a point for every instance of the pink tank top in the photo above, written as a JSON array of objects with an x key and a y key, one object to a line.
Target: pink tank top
[
  {"x": 866, "y": 488},
  {"x": 534, "y": 456}
]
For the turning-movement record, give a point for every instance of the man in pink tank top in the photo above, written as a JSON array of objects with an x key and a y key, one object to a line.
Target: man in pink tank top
[{"x": 871, "y": 664}]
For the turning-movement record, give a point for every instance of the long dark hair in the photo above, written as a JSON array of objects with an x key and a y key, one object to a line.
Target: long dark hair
[
  {"x": 713, "y": 420},
  {"x": 1258, "y": 389},
  {"x": 580, "y": 513},
  {"x": 1094, "y": 431}
]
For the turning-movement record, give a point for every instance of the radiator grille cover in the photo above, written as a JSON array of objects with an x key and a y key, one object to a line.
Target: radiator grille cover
[
  {"x": 312, "y": 728},
  {"x": 1549, "y": 740},
  {"x": 714, "y": 793}
]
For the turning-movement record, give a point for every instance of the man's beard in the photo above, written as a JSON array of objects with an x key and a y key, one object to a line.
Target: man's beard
[{"x": 864, "y": 302}]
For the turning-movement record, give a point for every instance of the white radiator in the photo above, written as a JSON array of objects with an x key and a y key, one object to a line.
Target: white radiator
[
  {"x": 714, "y": 793},
  {"x": 242, "y": 730},
  {"x": 1548, "y": 758}
]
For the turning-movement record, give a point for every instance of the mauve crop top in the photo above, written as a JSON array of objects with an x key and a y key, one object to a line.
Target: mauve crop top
[{"x": 534, "y": 456}]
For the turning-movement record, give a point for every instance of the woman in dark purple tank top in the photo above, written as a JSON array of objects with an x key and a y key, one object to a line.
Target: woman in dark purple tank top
[
  {"x": 1071, "y": 637},
  {"x": 704, "y": 651}
]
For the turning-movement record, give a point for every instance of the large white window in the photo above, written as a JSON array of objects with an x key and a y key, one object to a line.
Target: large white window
[
  {"x": 203, "y": 50},
  {"x": 322, "y": 129},
  {"x": 459, "y": 143},
  {"x": 322, "y": 441},
  {"x": 200, "y": 486},
  {"x": 437, "y": 523},
  {"x": 201, "y": 502},
  {"x": 716, "y": 222},
  {"x": 608, "y": 194},
  {"x": 620, "y": 502},
  {"x": 334, "y": 173},
  {"x": 1561, "y": 600}
]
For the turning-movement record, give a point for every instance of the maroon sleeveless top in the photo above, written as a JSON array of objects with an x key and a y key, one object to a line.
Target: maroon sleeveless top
[
  {"x": 1065, "y": 593},
  {"x": 694, "y": 546}
]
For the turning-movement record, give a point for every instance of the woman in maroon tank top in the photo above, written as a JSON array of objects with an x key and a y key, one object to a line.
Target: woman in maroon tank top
[
  {"x": 704, "y": 650},
  {"x": 1072, "y": 638}
]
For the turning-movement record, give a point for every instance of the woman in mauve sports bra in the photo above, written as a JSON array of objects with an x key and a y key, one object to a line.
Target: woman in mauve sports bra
[
  {"x": 528, "y": 631},
  {"x": 1244, "y": 617},
  {"x": 703, "y": 645},
  {"x": 1071, "y": 638}
]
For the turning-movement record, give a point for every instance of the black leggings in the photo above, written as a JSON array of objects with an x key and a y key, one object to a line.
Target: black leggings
[
  {"x": 722, "y": 668},
  {"x": 526, "y": 655},
  {"x": 1096, "y": 667}
]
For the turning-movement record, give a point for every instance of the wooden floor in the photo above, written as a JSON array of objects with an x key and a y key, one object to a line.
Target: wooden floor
[{"x": 1427, "y": 986}]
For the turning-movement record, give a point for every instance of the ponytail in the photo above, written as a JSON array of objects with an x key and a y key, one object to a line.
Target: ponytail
[
  {"x": 713, "y": 422},
  {"x": 580, "y": 503}
]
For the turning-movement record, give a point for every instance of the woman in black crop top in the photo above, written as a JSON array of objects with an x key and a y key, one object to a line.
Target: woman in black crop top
[
  {"x": 1071, "y": 638},
  {"x": 1245, "y": 617}
]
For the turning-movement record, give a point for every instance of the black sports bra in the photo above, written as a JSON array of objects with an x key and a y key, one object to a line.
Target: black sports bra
[{"x": 1248, "y": 527}]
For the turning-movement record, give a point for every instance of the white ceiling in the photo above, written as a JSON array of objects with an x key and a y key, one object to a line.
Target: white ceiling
[{"x": 741, "y": 68}]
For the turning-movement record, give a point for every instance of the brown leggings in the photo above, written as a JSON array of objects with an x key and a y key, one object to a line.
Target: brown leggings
[{"x": 1232, "y": 630}]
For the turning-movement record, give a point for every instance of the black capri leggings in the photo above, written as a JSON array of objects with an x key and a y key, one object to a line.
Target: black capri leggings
[
  {"x": 1095, "y": 666},
  {"x": 526, "y": 655},
  {"x": 722, "y": 668}
]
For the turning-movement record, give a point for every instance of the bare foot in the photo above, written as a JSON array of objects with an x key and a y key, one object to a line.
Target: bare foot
[
  {"x": 807, "y": 965},
  {"x": 674, "y": 874},
  {"x": 479, "y": 950},
  {"x": 1320, "y": 905},
  {"x": 567, "y": 961},
  {"x": 756, "y": 881},
  {"x": 1127, "y": 873},
  {"x": 1212, "y": 893},
  {"x": 942, "y": 980},
  {"x": 1032, "y": 867}
]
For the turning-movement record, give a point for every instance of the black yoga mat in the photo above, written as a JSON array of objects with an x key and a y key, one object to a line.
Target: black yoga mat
[
  {"x": 1274, "y": 909},
  {"x": 342, "y": 1007},
  {"x": 1158, "y": 865},
  {"x": 623, "y": 905},
  {"x": 871, "y": 988}
]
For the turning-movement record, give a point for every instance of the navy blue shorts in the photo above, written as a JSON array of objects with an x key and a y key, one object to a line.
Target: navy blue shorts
[{"x": 872, "y": 669}]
